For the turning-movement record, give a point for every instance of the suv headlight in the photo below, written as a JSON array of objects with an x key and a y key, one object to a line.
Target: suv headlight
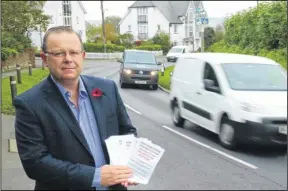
[
  {"x": 154, "y": 73},
  {"x": 126, "y": 71}
]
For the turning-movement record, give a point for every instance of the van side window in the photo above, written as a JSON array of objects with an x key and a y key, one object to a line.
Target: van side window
[
  {"x": 210, "y": 74},
  {"x": 183, "y": 50}
]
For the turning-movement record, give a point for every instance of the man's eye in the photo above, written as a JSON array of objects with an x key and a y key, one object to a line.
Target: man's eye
[
  {"x": 73, "y": 53},
  {"x": 58, "y": 53}
]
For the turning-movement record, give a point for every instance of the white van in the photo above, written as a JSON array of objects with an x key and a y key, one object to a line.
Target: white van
[
  {"x": 239, "y": 97},
  {"x": 176, "y": 51}
]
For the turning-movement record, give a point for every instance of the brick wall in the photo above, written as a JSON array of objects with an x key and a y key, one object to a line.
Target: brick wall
[{"x": 22, "y": 58}]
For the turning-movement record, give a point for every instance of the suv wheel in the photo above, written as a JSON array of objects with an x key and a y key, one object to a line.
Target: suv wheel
[
  {"x": 177, "y": 119},
  {"x": 227, "y": 134}
]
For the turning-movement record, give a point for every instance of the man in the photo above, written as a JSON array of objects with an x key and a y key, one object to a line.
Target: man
[{"x": 62, "y": 123}]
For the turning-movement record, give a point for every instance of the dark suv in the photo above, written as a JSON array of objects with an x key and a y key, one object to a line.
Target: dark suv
[{"x": 139, "y": 67}]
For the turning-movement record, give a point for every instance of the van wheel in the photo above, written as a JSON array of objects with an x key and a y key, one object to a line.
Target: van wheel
[
  {"x": 122, "y": 85},
  {"x": 177, "y": 119},
  {"x": 227, "y": 134},
  {"x": 155, "y": 87}
]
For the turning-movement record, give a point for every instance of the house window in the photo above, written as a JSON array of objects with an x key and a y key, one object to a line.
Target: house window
[
  {"x": 142, "y": 11},
  {"x": 190, "y": 30},
  {"x": 158, "y": 26},
  {"x": 175, "y": 28},
  {"x": 142, "y": 14},
  {"x": 142, "y": 32},
  {"x": 129, "y": 28},
  {"x": 77, "y": 20},
  {"x": 66, "y": 8}
]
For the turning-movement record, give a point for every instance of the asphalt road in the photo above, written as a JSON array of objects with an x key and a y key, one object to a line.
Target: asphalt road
[{"x": 193, "y": 159}]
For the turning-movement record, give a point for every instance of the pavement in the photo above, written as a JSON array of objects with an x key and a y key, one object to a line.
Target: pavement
[{"x": 193, "y": 159}]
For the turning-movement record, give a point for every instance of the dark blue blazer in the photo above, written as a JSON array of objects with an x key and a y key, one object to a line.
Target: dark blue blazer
[{"x": 51, "y": 145}]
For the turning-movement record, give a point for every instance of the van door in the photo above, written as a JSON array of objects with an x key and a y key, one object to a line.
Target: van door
[
  {"x": 191, "y": 101},
  {"x": 212, "y": 100}
]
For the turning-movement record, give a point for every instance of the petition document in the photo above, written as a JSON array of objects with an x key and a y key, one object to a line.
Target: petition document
[{"x": 140, "y": 154}]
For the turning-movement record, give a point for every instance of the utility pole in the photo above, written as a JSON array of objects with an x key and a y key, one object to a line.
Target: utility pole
[
  {"x": 103, "y": 27},
  {"x": 202, "y": 38}
]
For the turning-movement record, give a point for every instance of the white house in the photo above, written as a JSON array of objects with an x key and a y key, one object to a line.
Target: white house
[
  {"x": 177, "y": 18},
  {"x": 68, "y": 13}
]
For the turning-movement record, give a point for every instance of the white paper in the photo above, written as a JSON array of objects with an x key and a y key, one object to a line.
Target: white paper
[{"x": 140, "y": 154}]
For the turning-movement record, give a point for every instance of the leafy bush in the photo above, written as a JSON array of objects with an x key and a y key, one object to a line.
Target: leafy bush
[
  {"x": 279, "y": 55},
  {"x": 93, "y": 47},
  {"x": 7, "y": 52},
  {"x": 153, "y": 47},
  {"x": 261, "y": 27}
]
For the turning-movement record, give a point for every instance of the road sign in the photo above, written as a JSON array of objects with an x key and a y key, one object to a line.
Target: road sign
[{"x": 204, "y": 21}]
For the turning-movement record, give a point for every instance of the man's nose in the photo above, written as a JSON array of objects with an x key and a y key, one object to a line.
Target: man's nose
[{"x": 67, "y": 57}]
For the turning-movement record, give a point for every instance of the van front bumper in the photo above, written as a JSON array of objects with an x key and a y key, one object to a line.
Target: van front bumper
[
  {"x": 171, "y": 58},
  {"x": 140, "y": 79},
  {"x": 260, "y": 133}
]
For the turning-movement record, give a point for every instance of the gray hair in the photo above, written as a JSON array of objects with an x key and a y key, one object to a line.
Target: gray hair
[{"x": 59, "y": 29}]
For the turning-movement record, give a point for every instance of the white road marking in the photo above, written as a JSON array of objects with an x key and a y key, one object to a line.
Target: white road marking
[
  {"x": 132, "y": 109},
  {"x": 211, "y": 148}
]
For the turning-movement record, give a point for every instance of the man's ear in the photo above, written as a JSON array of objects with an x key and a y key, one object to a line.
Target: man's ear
[
  {"x": 83, "y": 54},
  {"x": 43, "y": 57}
]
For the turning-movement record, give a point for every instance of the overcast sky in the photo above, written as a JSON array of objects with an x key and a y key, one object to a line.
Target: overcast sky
[{"x": 119, "y": 8}]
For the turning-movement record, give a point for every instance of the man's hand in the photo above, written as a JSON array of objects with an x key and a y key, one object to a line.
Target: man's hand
[
  {"x": 129, "y": 183},
  {"x": 114, "y": 174}
]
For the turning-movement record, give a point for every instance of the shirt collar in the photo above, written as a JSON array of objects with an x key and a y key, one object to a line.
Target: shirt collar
[{"x": 82, "y": 90}]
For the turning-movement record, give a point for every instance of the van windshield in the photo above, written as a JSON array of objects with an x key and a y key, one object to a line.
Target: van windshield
[
  {"x": 256, "y": 77},
  {"x": 176, "y": 50},
  {"x": 140, "y": 58}
]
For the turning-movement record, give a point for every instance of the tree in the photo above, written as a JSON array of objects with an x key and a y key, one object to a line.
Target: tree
[
  {"x": 114, "y": 20},
  {"x": 94, "y": 34},
  {"x": 209, "y": 37},
  {"x": 126, "y": 40},
  {"x": 18, "y": 19},
  {"x": 163, "y": 39},
  {"x": 219, "y": 33}
]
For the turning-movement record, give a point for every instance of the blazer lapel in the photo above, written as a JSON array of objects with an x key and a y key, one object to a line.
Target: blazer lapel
[
  {"x": 55, "y": 98},
  {"x": 98, "y": 107}
]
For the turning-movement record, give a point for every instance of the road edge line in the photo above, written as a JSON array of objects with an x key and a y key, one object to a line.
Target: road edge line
[
  {"x": 132, "y": 109},
  {"x": 211, "y": 148}
]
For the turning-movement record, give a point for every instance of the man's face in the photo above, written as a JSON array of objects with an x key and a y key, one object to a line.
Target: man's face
[{"x": 64, "y": 56}]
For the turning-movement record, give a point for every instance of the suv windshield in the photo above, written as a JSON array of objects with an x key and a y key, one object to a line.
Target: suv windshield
[
  {"x": 256, "y": 77},
  {"x": 140, "y": 58},
  {"x": 176, "y": 50}
]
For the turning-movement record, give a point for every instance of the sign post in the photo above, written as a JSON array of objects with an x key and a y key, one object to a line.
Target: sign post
[{"x": 201, "y": 21}]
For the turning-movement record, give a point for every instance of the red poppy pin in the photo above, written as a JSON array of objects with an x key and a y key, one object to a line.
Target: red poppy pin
[{"x": 97, "y": 92}]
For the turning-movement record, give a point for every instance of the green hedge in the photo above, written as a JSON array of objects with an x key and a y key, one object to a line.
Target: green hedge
[
  {"x": 93, "y": 47},
  {"x": 8, "y": 52},
  {"x": 153, "y": 47},
  {"x": 278, "y": 55}
]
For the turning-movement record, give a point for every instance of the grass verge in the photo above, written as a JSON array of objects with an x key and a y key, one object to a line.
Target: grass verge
[
  {"x": 27, "y": 83},
  {"x": 164, "y": 81}
]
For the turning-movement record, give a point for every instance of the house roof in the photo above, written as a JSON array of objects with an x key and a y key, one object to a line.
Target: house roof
[
  {"x": 142, "y": 4},
  {"x": 82, "y": 7},
  {"x": 171, "y": 10}
]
